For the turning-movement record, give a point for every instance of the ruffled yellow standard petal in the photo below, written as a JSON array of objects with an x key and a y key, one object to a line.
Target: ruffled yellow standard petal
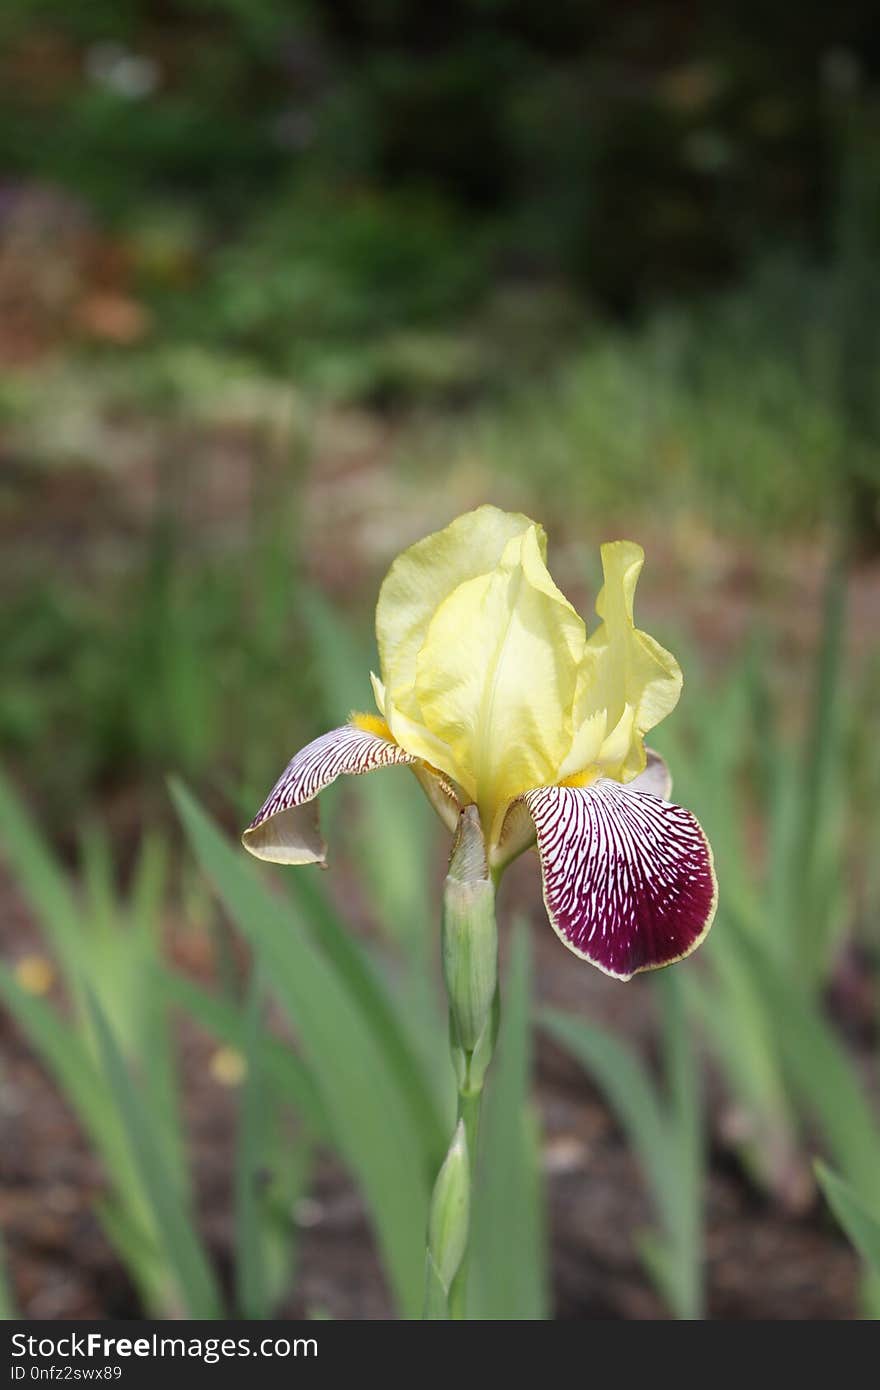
[
  {"x": 423, "y": 576},
  {"x": 417, "y": 583},
  {"x": 496, "y": 676},
  {"x": 627, "y": 683}
]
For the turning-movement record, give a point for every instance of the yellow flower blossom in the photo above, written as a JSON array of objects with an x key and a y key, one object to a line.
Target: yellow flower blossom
[{"x": 493, "y": 691}]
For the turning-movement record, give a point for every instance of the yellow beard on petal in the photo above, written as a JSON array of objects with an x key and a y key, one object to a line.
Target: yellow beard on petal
[
  {"x": 372, "y": 724},
  {"x": 582, "y": 779}
]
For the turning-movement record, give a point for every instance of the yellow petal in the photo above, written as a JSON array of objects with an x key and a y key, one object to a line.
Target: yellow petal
[
  {"x": 378, "y": 693},
  {"x": 411, "y": 733},
  {"x": 496, "y": 677},
  {"x": 423, "y": 576},
  {"x": 625, "y": 675},
  {"x": 589, "y": 722},
  {"x": 649, "y": 676},
  {"x": 419, "y": 740}
]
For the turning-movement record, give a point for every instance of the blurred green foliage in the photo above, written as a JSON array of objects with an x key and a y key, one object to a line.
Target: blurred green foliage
[
  {"x": 664, "y": 1126},
  {"x": 635, "y": 153},
  {"x": 626, "y": 260},
  {"x": 855, "y": 1216},
  {"x": 395, "y": 206}
]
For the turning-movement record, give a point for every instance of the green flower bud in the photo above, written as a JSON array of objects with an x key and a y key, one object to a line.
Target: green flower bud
[
  {"x": 448, "y": 1222},
  {"x": 470, "y": 938}
]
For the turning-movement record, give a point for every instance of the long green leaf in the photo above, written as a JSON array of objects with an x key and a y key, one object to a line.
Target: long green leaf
[
  {"x": 252, "y": 1297},
  {"x": 370, "y": 1117},
  {"x": 820, "y": 1069},
  {"x": 623, "y": 1078},
  {"x": 42, "y": 881},
  {"x": 289, "y": 1076},
  {"x": 197, "y": 1288},
  {"x": 742, "y": 1035},
  {"x": 860, "y": 1223},
  {"x": 80, "y": 1082},
  {"x": 737, "y": 1016},
  {"x": 62, "y": 1051},
  {"x": 357, "y": 971},
  {"x": 681, "y": 1193},
  {"x": 154, "y": 1055},
  {"x": 508, "y": 1273},
  {"x": 141, "y": 1255},
  {"x": 665, "y": 1134},
  {"x": 149, "y": 882},
  {"x": 271, "y": 1172}
]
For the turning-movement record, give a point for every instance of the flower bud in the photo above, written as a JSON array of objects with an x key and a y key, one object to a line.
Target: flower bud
[
  {"x": 448, "y": 1224},
  {"x": 470, "y": 937}
]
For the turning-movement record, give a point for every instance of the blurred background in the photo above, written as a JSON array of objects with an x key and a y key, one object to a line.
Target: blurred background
[{"x": 283, "y": 287}]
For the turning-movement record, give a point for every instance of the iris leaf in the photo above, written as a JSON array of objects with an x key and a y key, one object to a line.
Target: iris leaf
[
  {"x": 664, "y": 1127},
  {"x": 861, "y": 1224},
  {"x": 369, "y": 1116},
  {"x": 508, "y": 1277},
  {"x": 225, "y": 1021},
  {"x": 175, "y": 1230}
]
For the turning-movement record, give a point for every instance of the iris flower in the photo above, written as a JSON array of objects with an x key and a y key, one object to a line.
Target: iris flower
[{"x": 494, "y": 694}]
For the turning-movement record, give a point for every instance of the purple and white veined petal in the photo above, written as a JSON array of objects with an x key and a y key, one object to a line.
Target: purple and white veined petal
[
  {"x": 628, "y": 878},
  {"x": 285, "y": 829},
  {"x": 518, "y": 826}
]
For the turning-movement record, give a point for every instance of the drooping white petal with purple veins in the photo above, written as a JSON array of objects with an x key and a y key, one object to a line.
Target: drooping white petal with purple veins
[
  {"x": 285, "y": 829},
  {"x": 628, "y": 877}
]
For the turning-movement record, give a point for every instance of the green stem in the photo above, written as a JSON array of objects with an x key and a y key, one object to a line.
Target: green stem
[
  {"x": 469, "y": 1111},
  {"x": 470, "y": 970}
]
